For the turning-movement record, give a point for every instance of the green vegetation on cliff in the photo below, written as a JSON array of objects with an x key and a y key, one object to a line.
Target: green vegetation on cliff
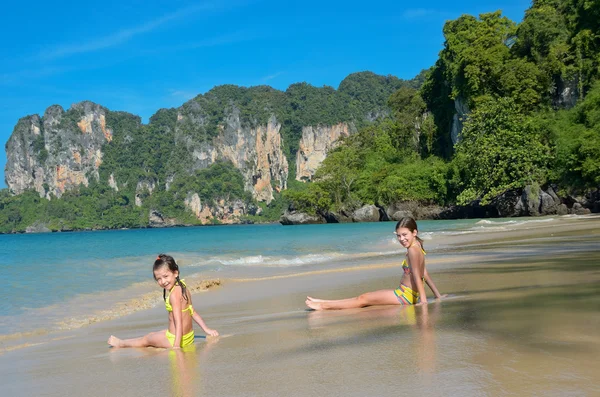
[
  {"x": 99, "y": 206},
  {"x": 505, "y": 105},
  {"x": 153, "y": 164},
  {"x": 507, "y": 91}
]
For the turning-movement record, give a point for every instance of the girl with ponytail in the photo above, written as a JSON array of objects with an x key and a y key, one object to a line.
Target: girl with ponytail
[
  {"x": 178, "y": 302},
  {"x": 411, "y": 290}
]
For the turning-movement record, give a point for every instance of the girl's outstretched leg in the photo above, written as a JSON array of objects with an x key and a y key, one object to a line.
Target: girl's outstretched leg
[
  {"x": 310, "y": 298},
  {"x": 153, "y": 339},
  {"x": 113, "y": 341},
  {"x": 381, "y": 297}
]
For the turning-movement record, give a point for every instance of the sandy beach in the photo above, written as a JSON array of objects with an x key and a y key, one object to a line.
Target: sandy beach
[{"x": 522, "y": 318}]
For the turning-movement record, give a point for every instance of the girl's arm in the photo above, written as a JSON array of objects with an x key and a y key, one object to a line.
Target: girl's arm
[
  {"x": 175, "y": 300},
  {"x": 415, "y": 256},
  {"x": 202, "y": 324},
  {"x": 431, "y": 285},
  {"x": 196, "y": 317}
]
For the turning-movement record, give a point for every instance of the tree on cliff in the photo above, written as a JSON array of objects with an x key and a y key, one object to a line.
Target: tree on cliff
[{"x": 500, "y": 149}]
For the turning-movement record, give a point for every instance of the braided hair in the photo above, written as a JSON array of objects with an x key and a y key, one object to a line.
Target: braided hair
[{"x": 167, "y": 260}]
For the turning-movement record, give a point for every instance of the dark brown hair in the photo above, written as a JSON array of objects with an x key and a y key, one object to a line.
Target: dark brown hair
[
  {"x": 167, "y": 260},
  {"x": 411, "y": 225}
]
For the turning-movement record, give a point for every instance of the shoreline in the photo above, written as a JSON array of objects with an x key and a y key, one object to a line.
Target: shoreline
[
  {"x": 146, "y": 298},
  {"x": 526, "y": 218},
  {"x": 505, "y": 316}
]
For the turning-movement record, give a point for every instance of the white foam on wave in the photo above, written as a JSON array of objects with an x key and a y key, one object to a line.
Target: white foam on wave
[
  {"x": 308, "y": 259},
  {"x": 426, "y": 235},
  {"x": 270, "y": 261},
  {"x": 489, "y": 222},
  {"x": 293, "y": 261},
  {"x": 489, "y": 225},
  {"x": 246, "y": 260},
  {"x": 492, "y": 228}
]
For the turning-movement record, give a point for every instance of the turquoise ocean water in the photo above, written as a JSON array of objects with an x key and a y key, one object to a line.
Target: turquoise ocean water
[{"x": 50, "y": 277}]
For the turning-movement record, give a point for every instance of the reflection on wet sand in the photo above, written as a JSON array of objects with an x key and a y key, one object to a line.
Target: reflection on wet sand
[
  {"x": 426, "y": 343},
  {"x": 185, "y": 367},
  {"x": 421, "y": 320}
]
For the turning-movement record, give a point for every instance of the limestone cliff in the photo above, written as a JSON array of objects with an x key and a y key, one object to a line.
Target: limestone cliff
[
  {"x": 315, "y": 143},
  {"x": 155, "y": 167},
  {"x": 257, "y": 151},
  {"x": 226, "y": 212},
  {"x": 59, "y": 151}
]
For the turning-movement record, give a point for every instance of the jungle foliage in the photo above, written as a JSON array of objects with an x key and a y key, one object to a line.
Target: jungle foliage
[{"x": 527, "y": 95}]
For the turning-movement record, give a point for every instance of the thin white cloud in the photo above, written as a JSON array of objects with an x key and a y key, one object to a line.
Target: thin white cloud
[
  {"x": 22, "y": 76},
  {"x": 12, "y": 78},
  {"x": 271, "y": 76},
  {"x": 181, "y": 94},
  {"x": 231, "y": 38},
  {"x": 18, "y": 77},
  {"x": 417, "y": 13},
  {"x": 125, "y": 35}
]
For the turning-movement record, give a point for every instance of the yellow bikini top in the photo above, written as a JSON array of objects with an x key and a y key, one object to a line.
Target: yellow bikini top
[
  {"x": 168, "y": 304},
  {"x": 406, "y": 268}
]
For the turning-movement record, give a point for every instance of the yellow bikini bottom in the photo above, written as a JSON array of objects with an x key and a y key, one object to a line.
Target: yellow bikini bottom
[
  {"x": 406, "y": 296},
  {"x": 186, "y": 339}
]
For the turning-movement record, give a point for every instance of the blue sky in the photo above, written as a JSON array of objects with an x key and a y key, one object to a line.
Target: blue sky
[{"x": 140, "y": 56}]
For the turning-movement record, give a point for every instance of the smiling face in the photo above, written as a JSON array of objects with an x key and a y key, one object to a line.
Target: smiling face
[
  {"x": 405, "y": 236},
  {"x": 165, "y": 277}
]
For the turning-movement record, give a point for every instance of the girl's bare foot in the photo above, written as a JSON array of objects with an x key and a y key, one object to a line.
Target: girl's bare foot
[
  {"x": 114, "y": 341},
  {"x": 310, "y": 298},
  {"x": 313, "y": 305}
]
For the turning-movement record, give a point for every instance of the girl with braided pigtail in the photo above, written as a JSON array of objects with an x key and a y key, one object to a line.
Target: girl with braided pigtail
[{"x": 178, "y": 302}]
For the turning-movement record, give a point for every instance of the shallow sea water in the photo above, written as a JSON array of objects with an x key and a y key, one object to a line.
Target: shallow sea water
[
  {"x": 56, "y": 281},
  {"x": 522, "y": 318}
]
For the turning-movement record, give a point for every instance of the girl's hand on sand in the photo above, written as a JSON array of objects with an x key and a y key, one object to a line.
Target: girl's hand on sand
[
  {"x": 421, "y": 303},
  {"x": 211, "y": 332}
]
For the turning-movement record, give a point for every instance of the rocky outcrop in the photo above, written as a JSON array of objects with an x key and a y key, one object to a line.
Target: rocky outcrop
[
  {"x": 566, "y": 93},
  {"x": 221, "y": 211},
  {"x": 506, "y": 203},
  {"x": 549, "y": 202},
  {"x": 58, "y": 151},
  {"x": 156, "y": 219},
  {"x": 337, "y": 217},
  {"x": 530, "y": 201},
  {"x": 143, "y": 190},
  {"x": 578, "y": 209},
  {"x": 37, "y": 228},
  {"x": 398, "y": 210},
  {"x": 194, "y": 204},
  {"x": 461, "y": 111},
  {"x": 412, "y": 209},
  {"x": 315, "y": 143},
  {"x": 300, "y": 218},
  {"x": 367, "y": 213},
  {"x": 534, "y": 201},
  {"x": 256, "y": 151}
]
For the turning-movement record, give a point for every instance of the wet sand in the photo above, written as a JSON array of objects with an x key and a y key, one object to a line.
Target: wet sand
[{"x": 522, "y": 319}]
